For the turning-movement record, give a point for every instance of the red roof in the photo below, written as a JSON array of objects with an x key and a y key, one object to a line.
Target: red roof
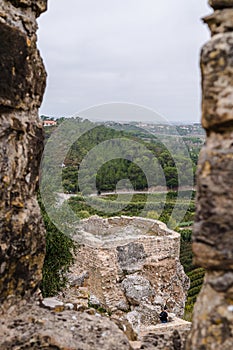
[{"x": 49, "y": 122}]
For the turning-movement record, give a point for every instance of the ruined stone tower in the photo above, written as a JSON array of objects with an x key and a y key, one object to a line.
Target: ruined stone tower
[
  {"x": 213, "y": 240},
  {"x": 132, "y": 264}
]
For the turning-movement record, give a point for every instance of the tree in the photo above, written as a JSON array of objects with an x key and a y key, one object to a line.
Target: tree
[{"x": 171, "y": 177}]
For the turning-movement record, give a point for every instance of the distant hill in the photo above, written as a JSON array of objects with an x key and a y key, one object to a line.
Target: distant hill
[{"x": 171, "y": 154}]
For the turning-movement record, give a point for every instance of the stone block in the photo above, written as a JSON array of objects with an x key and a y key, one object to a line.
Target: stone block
[
  {"x": 213, "y": 317},
  {"x": 134, "y": 318},
  {"x": 149, "y": 314},
  {"x": 212, "y": 236},
  {"x": 217, "y": 84},
  {"x": 22, "y": 68},
  {"x": 174, "y": 340},
  {"x": 38, "y": 6},
  {"x": 53, "y": 304},
  {"x": 221, "y": 21},
  {"x": 94, "y": 301},
  {"x": 137, "y": 289},
  {"x": 220, "y": 4},
  {"x": 131, "y": 257},
  {"x": 79, "y": 281}
]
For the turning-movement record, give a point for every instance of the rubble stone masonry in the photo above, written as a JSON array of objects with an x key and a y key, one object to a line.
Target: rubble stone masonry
[{"x": 131, "y": 253}]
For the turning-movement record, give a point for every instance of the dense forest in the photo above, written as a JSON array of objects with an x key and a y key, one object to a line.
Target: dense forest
[{"x": 170, "y": 163}]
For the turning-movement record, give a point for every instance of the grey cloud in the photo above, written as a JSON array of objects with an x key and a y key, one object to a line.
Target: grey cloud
[{"x": 140, "y": 51}]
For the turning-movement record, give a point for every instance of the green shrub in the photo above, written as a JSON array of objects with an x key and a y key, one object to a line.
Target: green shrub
[
  {"x": 60, "y": 250},
  {"x": 152, "y": 214},
  {"x": 83, "y": 214},
  {"x": 186, "y": 223}
]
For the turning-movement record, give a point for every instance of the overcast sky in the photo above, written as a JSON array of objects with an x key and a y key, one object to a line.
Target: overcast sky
[{"x": 144, "y": 52}]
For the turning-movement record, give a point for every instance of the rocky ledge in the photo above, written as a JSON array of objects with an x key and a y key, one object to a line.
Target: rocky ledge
[{"x": 51, "y": 323}]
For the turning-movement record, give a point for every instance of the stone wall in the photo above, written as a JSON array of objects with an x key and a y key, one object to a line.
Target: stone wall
[
  {"x": 128, "y": 255},
  {"x": 22, "y": 83},
  {"x": 212, "y": 239}
]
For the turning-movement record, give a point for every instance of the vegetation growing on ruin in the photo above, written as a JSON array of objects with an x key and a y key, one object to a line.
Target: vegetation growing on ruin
[{"x": 59, "y": 257}]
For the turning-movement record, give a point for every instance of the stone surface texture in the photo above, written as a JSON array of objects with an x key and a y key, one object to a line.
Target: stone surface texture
[
  {"x": 37, "y": 328},
  {"x": 132, "y": 264},
  {"x": 212, "y": 238},
  {"x": 22, "y": 83},
  {"x": 217, "y": 71},
  {"x": 165, "y": 338},
  {"x": 31, "y": 327}
]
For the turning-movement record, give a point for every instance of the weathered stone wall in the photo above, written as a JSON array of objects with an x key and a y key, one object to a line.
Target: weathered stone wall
[
  {"x": 213, "y": 239},
  {"x": 24, "y": 324},
  {"x": 132, "y": 254},
  {"x": 22, "y": 83}
]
